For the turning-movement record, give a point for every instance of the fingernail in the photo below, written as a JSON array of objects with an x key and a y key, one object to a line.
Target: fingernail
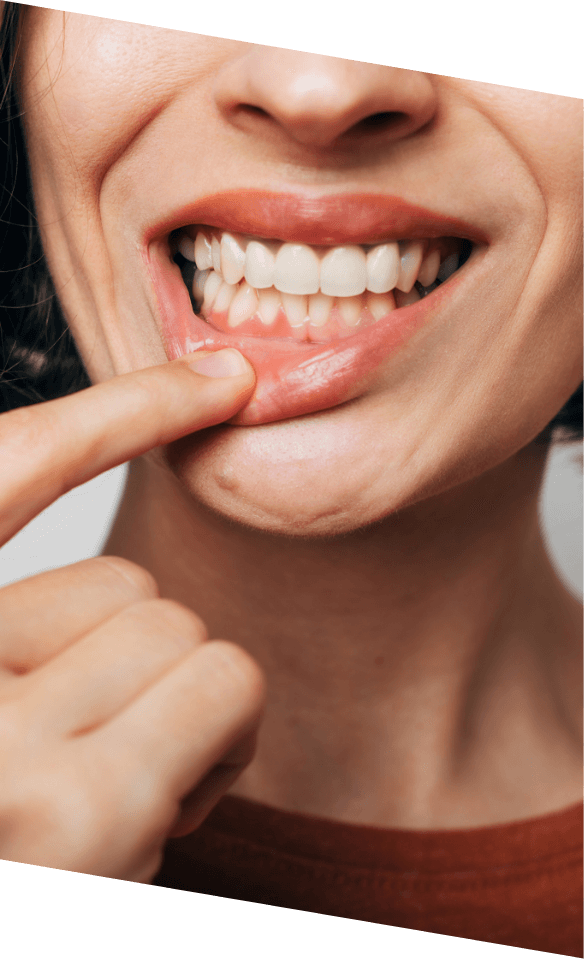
[{"x": 223, "y": 363}]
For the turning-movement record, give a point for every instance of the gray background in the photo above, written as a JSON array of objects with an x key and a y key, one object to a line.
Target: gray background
[{"x": 76, "y": 526}]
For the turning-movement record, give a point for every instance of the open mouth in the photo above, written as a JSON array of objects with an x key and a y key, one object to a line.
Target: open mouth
[
  {"x": 318, "y": 292},
  {"x": 250, "y": 286}
]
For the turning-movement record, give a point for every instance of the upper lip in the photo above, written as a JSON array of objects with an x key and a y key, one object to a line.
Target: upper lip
[{"x": 316, "y": 219}]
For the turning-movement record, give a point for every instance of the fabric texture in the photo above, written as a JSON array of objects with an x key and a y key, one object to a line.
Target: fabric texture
[{"x": 518, "y": 884}]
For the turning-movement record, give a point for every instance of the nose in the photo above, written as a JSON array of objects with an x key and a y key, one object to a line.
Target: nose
[{"x": 319, "y": 101}]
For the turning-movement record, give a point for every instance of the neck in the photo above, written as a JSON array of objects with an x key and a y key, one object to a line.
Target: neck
[{"x": 421, "y": 672}]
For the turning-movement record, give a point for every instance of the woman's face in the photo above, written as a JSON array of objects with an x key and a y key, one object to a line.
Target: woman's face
[{"x": 142, "y": 140}]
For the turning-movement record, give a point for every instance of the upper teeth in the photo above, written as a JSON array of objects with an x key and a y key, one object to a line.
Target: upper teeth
[{"x": 296, "y": 268}]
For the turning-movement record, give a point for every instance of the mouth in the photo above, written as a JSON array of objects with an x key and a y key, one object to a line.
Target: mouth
[{"x": 316, "y": 319}]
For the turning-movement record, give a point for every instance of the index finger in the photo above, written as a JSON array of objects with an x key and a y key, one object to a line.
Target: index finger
[{"x": 46, "y": 450}]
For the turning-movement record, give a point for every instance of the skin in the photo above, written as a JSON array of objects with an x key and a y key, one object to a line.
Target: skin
[{"x": 380, "y": 561}]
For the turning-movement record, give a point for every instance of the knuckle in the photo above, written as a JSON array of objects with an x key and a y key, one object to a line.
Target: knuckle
[
  {"x": 235, "y": 667},
  {"x": 175, "y": 619},
  {"x": 128, "y": 575}
]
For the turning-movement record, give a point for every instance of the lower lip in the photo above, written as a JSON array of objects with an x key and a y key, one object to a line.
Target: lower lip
[{"x": 293, "y": 378}]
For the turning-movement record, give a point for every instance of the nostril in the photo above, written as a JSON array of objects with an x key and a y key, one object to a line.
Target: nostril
[
  {"x": 251, "y": 109},
  {"x": 382, "y": 119}
]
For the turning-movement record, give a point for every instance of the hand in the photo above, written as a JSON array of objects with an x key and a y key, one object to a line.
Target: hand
[{"x": 120, "y": 722}]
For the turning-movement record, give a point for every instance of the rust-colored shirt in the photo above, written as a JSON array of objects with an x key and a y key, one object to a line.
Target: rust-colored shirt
[{"x": 519, "y": 884}]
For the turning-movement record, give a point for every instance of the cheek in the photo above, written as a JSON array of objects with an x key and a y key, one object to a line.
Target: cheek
[{"x": 88, "y": 87}]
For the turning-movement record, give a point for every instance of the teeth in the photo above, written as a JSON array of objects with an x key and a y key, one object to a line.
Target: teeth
[
  {"x": 297, "y": 269},
  {"x": 224, "y": 297},
  {"x": 243, "y": 306},
  {"x": 429, "y": 269},
  {"x": 187, "y": 248},
  {"x": 212, "y": 286},
  {"x": 199, "y": 280},
  {"x": 405, "y": 299},
  {"x": 270, "y": 302},
  {"x": 232, "y": 258},
  {"x": 411, "y": 260},
  {"x": 203, "y": 254},
  {"x": 343, "y": 271},
  {"x": 319, "y": 308},
  {"x": 350, "y": 309},
  {"x": 260, "y": 264},
  {"x": 242, "y": 302},
  {"x": 296, "y": 308},
  {"x": 305, "y": 282},
  {"x": 383, "y": 266},
  {"x": 216, "y": 254},
  {"x": 379, "y": 306}
]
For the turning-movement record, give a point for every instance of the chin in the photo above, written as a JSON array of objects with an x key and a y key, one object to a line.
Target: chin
[{"x": 292, "y": 500}]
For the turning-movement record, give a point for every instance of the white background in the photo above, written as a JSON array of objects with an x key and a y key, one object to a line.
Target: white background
[{"x": 76, "y": 526}]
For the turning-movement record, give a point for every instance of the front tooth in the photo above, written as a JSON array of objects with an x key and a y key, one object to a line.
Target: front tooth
[
  {"x": 296, "y": 308},
  {"x": 260, "y": 260},
  {"x": 232, "y": 258},
  {"x": 343, "y": 271},
  {"x": 429, "y": 269},
  {"x": 297, "y": 269},
  {"x": 203, "y": 253},
  {"x": 243, "y": 306},
  {"x": 411, "y": 259},
  {"x": 383, "y": 265},
  {"x": 319, "y": 308}
]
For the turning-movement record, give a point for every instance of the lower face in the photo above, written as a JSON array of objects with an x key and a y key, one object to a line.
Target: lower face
[
  {"x": 308, "y": 462},
  {"x": 310, "y": 352}
]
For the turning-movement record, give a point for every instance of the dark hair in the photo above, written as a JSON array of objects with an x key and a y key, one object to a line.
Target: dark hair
[{"x": 38, "y": 357}]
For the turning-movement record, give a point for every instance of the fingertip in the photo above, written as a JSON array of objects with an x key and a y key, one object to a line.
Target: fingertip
[{"x": 223, "y": 363}]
